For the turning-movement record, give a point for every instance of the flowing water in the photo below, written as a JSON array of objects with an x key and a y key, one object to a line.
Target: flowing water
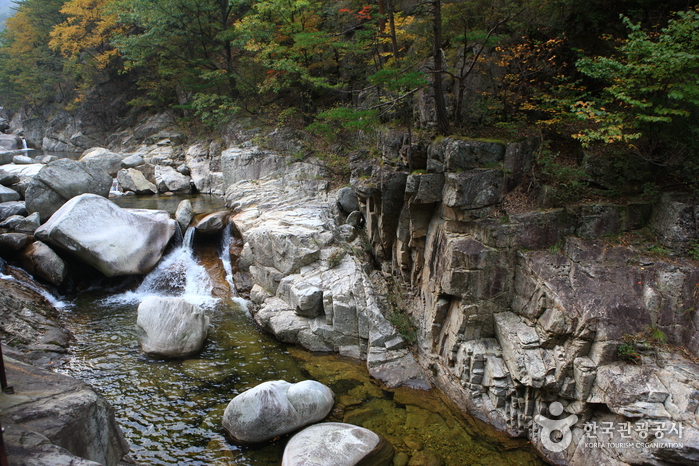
[{"x": 170, "y": 410}]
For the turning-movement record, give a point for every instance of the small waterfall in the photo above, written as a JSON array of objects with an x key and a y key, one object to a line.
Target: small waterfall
[
  {"x": 177, "y": 274},
  {"x": 24, "y": 144},
  {"x": 225, "y": 256},
  {"x": 53, "y": 300},
  {"x": 115, "y": 190}
]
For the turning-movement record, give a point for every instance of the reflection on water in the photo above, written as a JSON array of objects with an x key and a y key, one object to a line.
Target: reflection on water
[{"x": 170, "y": 410}]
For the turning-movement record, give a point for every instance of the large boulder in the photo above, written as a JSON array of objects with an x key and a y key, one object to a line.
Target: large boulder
[
  {"x": 113, "y": 240},
  {"x": 99, "y": 157},
  {"x": 276, "y": 408},
  {"x": 131, "y": 179},
  {"x": 10, "y": 142},
  {"x": 171, "y": 327},
  {"x": 62, "y": 180},
  {"x": 40, "y": 260},
  {"x": 169, "y": 179},
  {"x": 213, "y": 223},
  {"x": 338, "y": 444},
  {"x": 56, "y": 420},
  {"x": 184, "y": 214}
]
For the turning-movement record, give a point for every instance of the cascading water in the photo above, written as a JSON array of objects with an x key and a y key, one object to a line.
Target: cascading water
[
  {"x": 32, "y": 285},
  {"x": 24, "y": 144},
  {"x": 177, "y": 274},
  {"x": 225, "y": 256}
]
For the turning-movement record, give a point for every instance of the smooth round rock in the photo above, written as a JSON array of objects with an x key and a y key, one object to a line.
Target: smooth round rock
[
  {"x": 337, "y": 444},
  {"x": 276, "y": 408}
]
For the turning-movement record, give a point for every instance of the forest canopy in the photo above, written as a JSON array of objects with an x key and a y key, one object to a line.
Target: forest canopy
[{"x": 621, "y": 74}]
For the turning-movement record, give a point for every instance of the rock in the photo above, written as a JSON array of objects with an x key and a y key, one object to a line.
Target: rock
[
  {"x": 184, "y": 170},
  {"x": 132, "y": 161},
  {"x": 22, "y": 160},
  {"x": 40, "y": 260},
  {"x": 201, "y": 166},
  {"x": 275, "y": 408},
  {"x": 10, "y": 142},
  {"x": 62, "y": 180},
  {"x": 213, "y": 223},
  {"x": 347, "y": 200},
  {"x": 133, "y": 180},
  {"x": 103, "y": 159},
  {"x": 13, "y": 241},
  {"x": 22, "y": 224},
  {"x": 46, "y": 159},
  {"x": 184, "y": 214},
  {"x": 250, "y": 163},
  {"x": 473, "y": 189},
  {"x": 8, "y": 195},
  {"x": 56, "y": 420},
  {"x": 338, "y": 444},
  {"x": 170, "y": 327},
  {"x": 7, "y": 178},
  {"x": 169, "y": 179},
  {"x": 426, "y": 458},
  {"x": 113, "y": 240}
]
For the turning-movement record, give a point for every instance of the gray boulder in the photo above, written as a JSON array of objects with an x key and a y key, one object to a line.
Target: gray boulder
[
  {"x": 169, "y": 179},
  {"x": 347, "y": 200},
  {"x": 13, "y": 241},
  {"x": 22, "y": 160},
  {"x": 132, "y": 161},
  {"x": 170, "y": 327},
  {"x": 338, "y": 444},
  {"x": 213, "y": 223},
  {"x": 41, "y": 261},
  {"x": 184, "y": 214},
  {"x": 10, "y": 142},
  {"x": 113, "y": 240},
  {"x": 62, "y": 180},
  {"x": 8, "y": 194},
  {"x": 104, "y": 159},
  {"x": 22, "y": 224},
  {"x": 131, "y": 179},
  {"x": 275, "y": 408},
  {"x": 7, "y": 178}
]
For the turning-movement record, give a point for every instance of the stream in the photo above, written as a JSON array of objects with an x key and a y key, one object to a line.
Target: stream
[{"x": 170, "y": 410}]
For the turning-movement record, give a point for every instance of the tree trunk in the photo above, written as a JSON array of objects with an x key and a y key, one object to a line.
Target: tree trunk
[{"x": 438, "y": 86}]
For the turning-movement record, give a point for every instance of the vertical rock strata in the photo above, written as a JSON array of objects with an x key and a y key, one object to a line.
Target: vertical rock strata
[{"x": 517, "y": 315}]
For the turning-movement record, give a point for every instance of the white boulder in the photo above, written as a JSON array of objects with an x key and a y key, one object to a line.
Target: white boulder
[
  {"x": 275, "y": 408},
  {"x": 171, "y": 327},
  {"x": 113, "y": 240},
  {"x": 338, "y": 444}
]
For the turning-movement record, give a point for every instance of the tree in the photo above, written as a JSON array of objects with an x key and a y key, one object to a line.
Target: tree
[
  {"x": 30, "y": 70},
  {"x": 185, "y": 50},
  {"x": 84, "y": 39},
  {"x": 650, "y": 95}
]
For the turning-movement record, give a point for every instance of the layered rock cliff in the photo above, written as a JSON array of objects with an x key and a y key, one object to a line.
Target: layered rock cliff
[{"x": 518, "y": 311}]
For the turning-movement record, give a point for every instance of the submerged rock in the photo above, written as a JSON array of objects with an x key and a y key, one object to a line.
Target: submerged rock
[
  {"x": 338, "y": 444},
  {"x": 171, "y": 327},
  {"x": 275, "y": 408},
  {"x": 113, "y": 240}
]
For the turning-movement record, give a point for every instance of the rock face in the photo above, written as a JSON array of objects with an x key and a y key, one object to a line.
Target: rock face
[
  {"x": 59, "y": 420},
  {"x": 337, "y": 444},
  {"x": 10, "y": 142},
  {"x": 62, "y": 180},
  {"x": 276, "y": 408},
  {"x": 310, "y": 287},
  {"x": 113, "y": 240},
  {"x": 517, "y": 313},
  {"x": 171, "y": 327},
  {"x": 50, "y": 419}
]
